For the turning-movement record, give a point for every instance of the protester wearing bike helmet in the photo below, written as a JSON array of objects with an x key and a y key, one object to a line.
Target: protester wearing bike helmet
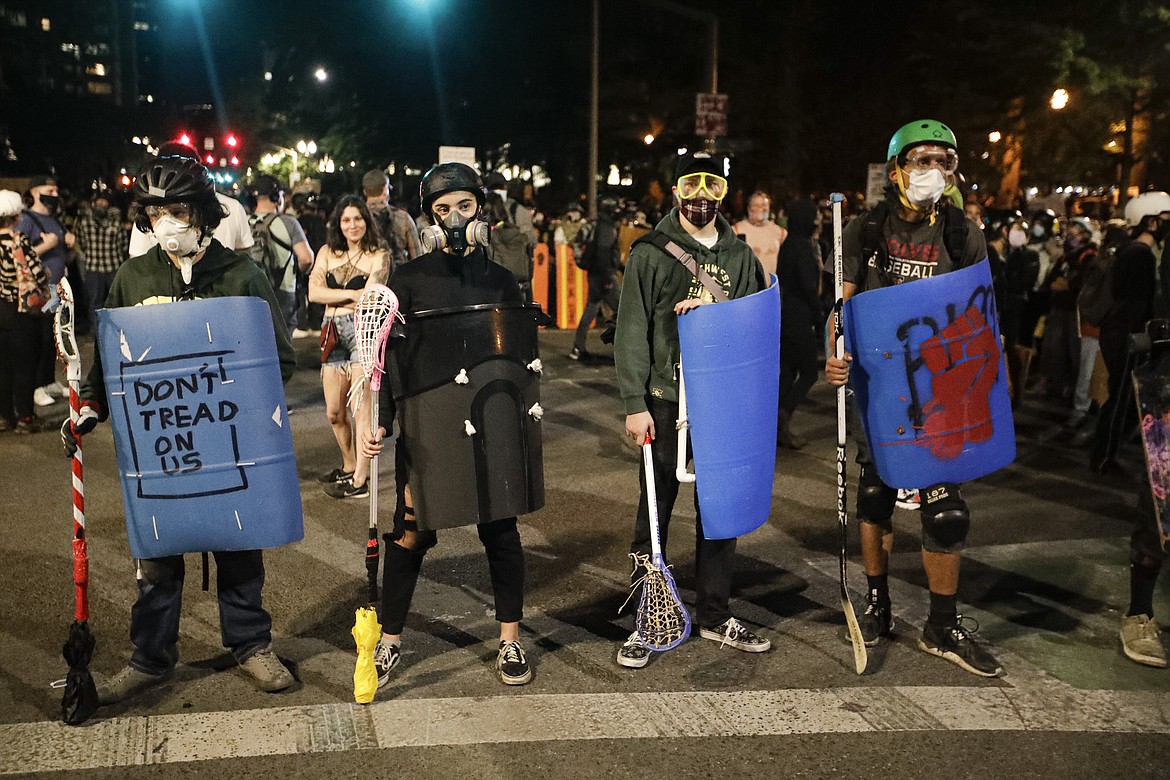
[{"x": 178, "y": 205}]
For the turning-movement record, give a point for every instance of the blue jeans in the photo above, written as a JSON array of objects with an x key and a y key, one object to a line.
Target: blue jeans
[
  {"x": 244, "y": 624},
  {"x": 288, "y": 307}
]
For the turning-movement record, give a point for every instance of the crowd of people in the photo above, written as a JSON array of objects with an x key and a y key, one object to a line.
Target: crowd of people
[{"x": 1069, "y": 292}]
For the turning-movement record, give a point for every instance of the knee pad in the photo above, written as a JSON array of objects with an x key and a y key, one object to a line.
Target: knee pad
[
  {"x": 945, "y": 518},
  {"x": 875, "y": 499},
  {"x": 422, "y": 540}
]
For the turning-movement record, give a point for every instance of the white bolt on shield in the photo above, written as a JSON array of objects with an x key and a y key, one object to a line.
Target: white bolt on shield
[
  {"x": 468, "y": 428},
  {"x": 537, "y": 411},
  {"x": 461, "y": 378},
  {"x": 536, "y": 366}
]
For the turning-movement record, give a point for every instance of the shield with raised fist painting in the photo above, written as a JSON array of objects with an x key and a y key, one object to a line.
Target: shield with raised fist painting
[{"x": 929, "y": 380}]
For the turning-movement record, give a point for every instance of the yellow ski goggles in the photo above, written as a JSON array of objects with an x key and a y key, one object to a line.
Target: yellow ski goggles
[{"x": 695, "y": 184}]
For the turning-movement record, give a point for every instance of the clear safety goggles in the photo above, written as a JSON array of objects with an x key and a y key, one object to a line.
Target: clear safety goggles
[
  {"x": 925, "y": 158},
  {"x": 180, "y": 211},
  {"x": 694, "y": 184}
]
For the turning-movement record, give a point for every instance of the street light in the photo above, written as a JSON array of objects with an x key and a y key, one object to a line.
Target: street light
[
  {"x": 648, "y": 139},
  {"x": 994, "y": 136},
  {"x": 321, "y": 75},
  {"x": 1059, "y": 99}
]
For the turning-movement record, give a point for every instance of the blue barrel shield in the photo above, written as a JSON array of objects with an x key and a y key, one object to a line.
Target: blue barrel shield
[
  {"x": 929, "y": 380},
  {"x": 731, "y": 365},
  {"x": 200, "y": 426}
]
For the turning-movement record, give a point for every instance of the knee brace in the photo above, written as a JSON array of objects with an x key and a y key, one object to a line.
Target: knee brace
[
  {"x": 421, "y": 541},
  {"x": 875, "y": 499},
  {"x": 945, "y": 518}
]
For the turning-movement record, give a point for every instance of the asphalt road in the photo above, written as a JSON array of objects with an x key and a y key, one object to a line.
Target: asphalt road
[{"x": 1045, "y": 577}]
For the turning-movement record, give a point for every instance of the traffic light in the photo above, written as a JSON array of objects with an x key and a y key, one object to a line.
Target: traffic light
[
  {"x": 126, "y": 180},
  {"x": 209, "y": 159},
  {"x": 231, "y": 140}
]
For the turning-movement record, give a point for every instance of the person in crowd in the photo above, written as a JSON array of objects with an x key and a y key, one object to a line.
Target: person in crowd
[
  {"x": 354, "y": 258},
  {"x": 600, "y": 256},
  {"x": 20, "y": 321},
  {"x": 102, "y": 241},
  {"x": 456, "y": 273},
  {"x": 763, "y": 235},
  {"x": 280, "y": 246},
  {"x": 1059, "y": 363},
  {"x": 53, "y": 245},
  {"x": 922, "y": 158},
  {"x": 656, "y": 290},
  {"x": 179, "y": 206},
  {"x": 799, "y": 272},
  {"x": 1021, "y": 268},
  {"x": 395, "y": 225}
]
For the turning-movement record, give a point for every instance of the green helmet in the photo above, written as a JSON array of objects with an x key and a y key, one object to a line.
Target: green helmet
[{"x": 921, "y": 131}]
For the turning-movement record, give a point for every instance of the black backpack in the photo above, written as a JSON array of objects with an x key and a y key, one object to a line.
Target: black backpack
[
  {"x": 509, "y": 247},
  {"x": 873, "y": 244},
  {"x": 602, "y": 252},
  {"x": 269, "y": 252}
]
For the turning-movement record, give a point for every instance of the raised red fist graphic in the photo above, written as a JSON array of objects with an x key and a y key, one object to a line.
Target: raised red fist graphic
[{"x": 964, "y": 362}]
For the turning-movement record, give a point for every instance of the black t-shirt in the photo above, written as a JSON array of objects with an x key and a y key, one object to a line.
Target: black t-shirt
[{"x": 916, "y": 249}]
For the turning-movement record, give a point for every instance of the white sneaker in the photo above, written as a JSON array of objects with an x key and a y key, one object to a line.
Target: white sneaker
[
  {"x": 60, "y": 389},
  {"x": 908, "y": 499},
  {"x": 41, "y": 397},
  {"x": 301, "y": 333}
]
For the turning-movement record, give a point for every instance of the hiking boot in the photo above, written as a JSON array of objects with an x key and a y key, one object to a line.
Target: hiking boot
[
  {"x": 511, "y": 663},
  {"x": 386, "y": 657},
  {"x": 732, "y": 633},
  {"x": 337, "y": 475},
  {"x": 127, "y": 683},
  {"x": 347, "y": 489},
  {"x": 267, "y": 670},
  {"x": 633, "y": 654},
  {"x": 955, "y": 644},
  {"x": 875, "y": 621},
  {"x": 1141, "y": 640}
]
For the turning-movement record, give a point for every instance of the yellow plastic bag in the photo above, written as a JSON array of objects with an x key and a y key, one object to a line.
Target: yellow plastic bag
[{"x": 366, "y": 633}]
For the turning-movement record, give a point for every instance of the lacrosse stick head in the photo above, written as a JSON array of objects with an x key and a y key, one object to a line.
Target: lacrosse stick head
[
  {"x": 64, "y": 332},
  {"x": 373, "y": 316},
  {"x": 663, "y": 622}
]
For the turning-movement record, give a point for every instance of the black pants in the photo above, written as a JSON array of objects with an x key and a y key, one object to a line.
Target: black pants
[
  {"x": 1118, "y": 418},
  {"x": 46, "y": 350},
  {"x": 602, "y": 289},
  {"x": 798, "y": 363},
  {"x": 19, "y": 357},
  {"x": 501, "y": 542},
  {"x": 714, "y": 558}
]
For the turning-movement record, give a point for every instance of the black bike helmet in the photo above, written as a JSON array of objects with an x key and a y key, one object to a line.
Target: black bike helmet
[
  {"x": 449, "y": 177},
  {"x": 171, "y": 180}
]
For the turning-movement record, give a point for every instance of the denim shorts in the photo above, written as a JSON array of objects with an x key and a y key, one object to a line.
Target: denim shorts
[{"x": 345, "y": 350}]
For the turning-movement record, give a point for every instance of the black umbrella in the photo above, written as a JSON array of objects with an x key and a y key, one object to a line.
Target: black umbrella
[{"x": 80, "y": 699}]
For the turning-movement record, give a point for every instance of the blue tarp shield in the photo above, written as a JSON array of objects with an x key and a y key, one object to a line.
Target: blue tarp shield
[
  {"x": 731, "y": 364},
  {"x": 200, "y": 426},
  {"x": 929, "y": 380}
]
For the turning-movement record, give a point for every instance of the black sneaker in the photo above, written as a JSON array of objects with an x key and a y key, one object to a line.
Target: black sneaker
[
  {"x": 386, "y": 657},
  {"x": 875, "y": 622},
  {"x": 337, "y": 475},
  {"x": 955, "y": 644},
  {"x": 347, "y": 489},
  {"x": 633, "y": 654},
  {"x": 732, "y": 633},
  {"x": 511, "y": 663}
]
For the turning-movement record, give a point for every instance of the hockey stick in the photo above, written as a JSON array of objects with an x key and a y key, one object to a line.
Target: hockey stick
[
  {"x": 860, "y": 657},
  {"x": 662, "y": 623},
  {"x": 683, "y": 426},
  {"x": 374, "y": 315},
  {"x": 80, "y": 699}
]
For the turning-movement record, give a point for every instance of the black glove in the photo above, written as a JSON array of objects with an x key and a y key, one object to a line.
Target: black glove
[{"x": 87, "y": 418}]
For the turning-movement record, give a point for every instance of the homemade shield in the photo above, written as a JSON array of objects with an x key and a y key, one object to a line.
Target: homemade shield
[
  {"x": 467, "y": 383},
  {"x": 731, "y": 365},
  {"x": 929, "y": 380},
  {"x": 200, "y": 426}
]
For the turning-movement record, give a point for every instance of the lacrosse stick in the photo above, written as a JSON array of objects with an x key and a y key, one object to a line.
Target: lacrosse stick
[
  {"x": 373, "y": 317},
  {"x": 662, "y": 622},
  {"x": 860, "y": 658},
  {"x": 80, "y": 699},
  {"x": 683, "y": 426}
]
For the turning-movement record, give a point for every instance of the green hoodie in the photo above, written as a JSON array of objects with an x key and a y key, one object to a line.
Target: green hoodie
[
  {"x": 152, "y": 278},
  {"x": 646, "y": 346}
]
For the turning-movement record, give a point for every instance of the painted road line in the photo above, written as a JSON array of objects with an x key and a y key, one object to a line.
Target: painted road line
[{"x": 164, "y": 739}]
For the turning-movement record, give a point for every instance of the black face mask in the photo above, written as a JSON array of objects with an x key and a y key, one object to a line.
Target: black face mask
[
  {"x": 1162, "y": 231},
  {"x": 100, "y": 213},
  {"x": 50, "y": 202}
]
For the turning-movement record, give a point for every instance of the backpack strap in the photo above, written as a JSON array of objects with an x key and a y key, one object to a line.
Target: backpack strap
[
  {"x": 273, "y": 218},
  {"x": 873, "y": 245},
  {"x": 955, "y": 232},
  {"x": 666, "y": 244}
]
